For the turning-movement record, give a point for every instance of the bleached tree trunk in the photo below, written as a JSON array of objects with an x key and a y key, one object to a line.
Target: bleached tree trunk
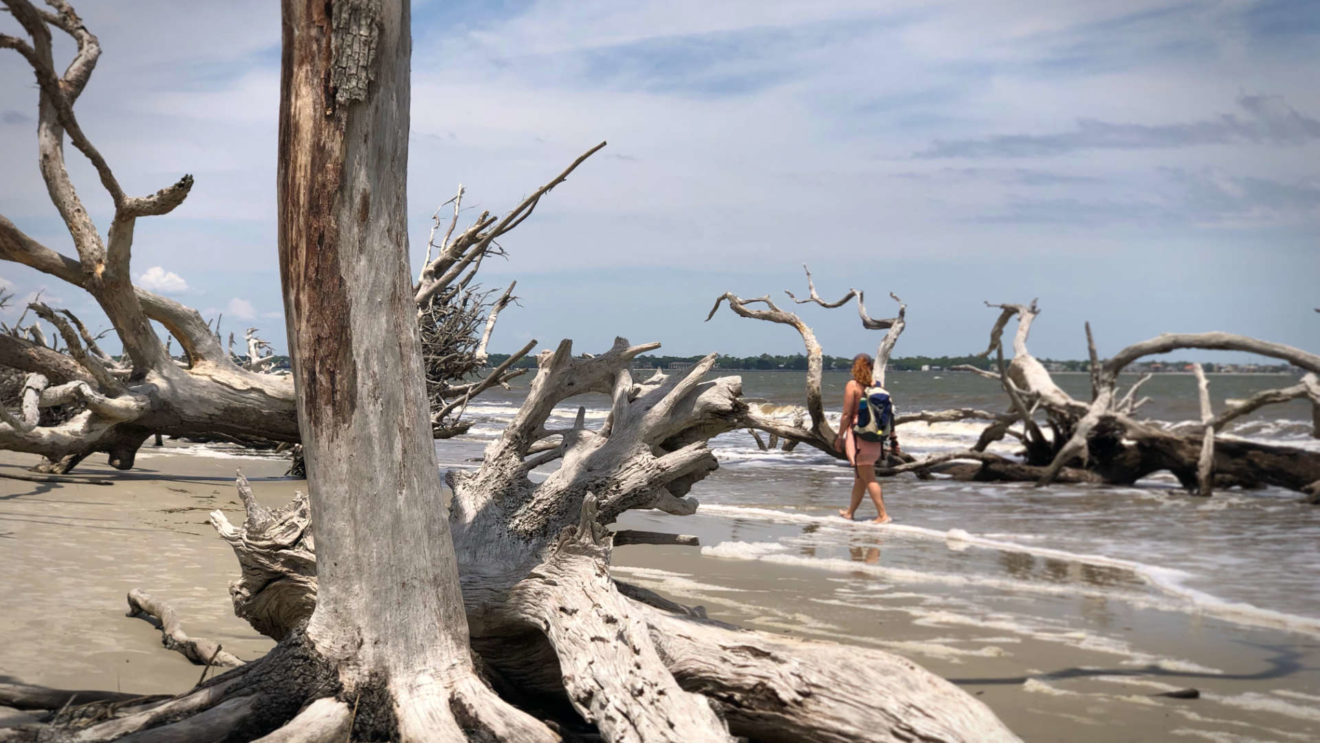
[{"x": 389, "y": 614}]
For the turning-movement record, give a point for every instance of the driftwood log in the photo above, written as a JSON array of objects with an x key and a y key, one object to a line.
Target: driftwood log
[{"x": 1063, "y": 438}]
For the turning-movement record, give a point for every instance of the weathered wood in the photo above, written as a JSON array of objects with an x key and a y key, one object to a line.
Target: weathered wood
[
  {"x": 323, "y": 721},
  {"x": 221, "y": 399},
  {"x": 390, "y": 628},
  {"x": 276, "y": 590},
  {"x": 626, "y": 691},
  {"x": 819, "y": 434},
  {"x": 1157, "y": 449},
  {"x": 199, "y": 651},
  {"x": 26, "y": 696},
  {"x": 1205, "y": 463},
  {"x": 780, "y": 689},
  {"x": 636, "y": 536},
  {"x": 381, "y": 538}
]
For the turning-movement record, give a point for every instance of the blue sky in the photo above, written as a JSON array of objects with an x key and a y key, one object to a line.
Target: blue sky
[{"x": 1146, "y": 166}]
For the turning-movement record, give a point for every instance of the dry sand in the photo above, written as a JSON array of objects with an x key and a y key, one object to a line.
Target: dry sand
[{"x": 69, "y": 553}]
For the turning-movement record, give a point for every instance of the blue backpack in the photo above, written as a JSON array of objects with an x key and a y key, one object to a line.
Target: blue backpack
[{"x": 875, "y": 415}]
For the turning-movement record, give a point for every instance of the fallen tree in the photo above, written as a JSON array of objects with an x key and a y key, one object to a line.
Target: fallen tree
[
  {"x": 212, "y": 394},
  {"x": 1062, "y": 438},
  {"x": 820, "y": 434},
  {"x": 407, "y": 633}
]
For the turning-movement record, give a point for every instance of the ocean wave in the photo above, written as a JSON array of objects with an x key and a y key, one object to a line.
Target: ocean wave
[
  {"x": 212, "y": 451},
  {"x": 1258, "y": 702}
]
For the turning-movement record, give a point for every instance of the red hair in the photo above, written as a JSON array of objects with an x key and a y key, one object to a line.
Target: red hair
[{"x": 862, "y": 370}]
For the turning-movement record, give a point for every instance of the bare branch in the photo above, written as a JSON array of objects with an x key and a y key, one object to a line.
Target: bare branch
[
  {"x": 495, "y": 377},
  {"x": 480, "y": 354},
  {"x": 163, "y": 201},
  {"x": 895, "y": 326},
  {"x": 1094, "y": 367},
  {"x": 200, "y": 652},
  {"x": 1127, "y": 403},
  {"x": 473, "y": 244},
  {"x": 1210, "y": 341},
  {"x": 976, "y": 371},
  {"x": 820, "y": 428},
  {"x": 103, "y": 377},
  {"x": 814, "y": 297}
]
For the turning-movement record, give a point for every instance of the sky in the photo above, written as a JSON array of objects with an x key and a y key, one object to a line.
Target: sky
[{"x": 1146, "y": 166}]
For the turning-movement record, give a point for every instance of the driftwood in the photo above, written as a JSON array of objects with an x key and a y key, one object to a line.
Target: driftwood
[
  {"x": 213, "y": 394},
  {"x": 26, "y": 696},
  {"x": 533, "y": 558},
  {"x": 818, "y": 434},
  {"x": 125, "y": 403},
  {"x": 821, "y": 435},
  {"x": 451, "y": 308},
  {"x": 1064, "y": 438},
  {"x": 1102, "y": 430},
  {"x": 199, "y": 651},
  {"x": 379, "y": 644},
  {"x": 1103, "y": 438}
]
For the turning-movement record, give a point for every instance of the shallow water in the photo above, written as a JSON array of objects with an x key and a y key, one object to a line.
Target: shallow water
[
  {"x": 1130, "y": 590},
  {"x": 1152, "y": 545}
]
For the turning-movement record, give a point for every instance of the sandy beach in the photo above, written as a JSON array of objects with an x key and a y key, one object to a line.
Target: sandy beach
[{"x": 70, "y": 552}]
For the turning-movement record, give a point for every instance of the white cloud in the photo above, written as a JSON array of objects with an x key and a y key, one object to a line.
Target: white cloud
[
  {"x": 157, "y": 279},
  {"x": 241, "y": 309}
]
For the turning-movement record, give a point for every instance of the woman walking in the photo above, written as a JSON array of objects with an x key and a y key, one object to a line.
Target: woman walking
[{"x": 862, "y": 454}]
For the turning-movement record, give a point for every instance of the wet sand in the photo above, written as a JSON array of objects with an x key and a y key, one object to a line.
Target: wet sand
[{"x": 70, "y": 552}]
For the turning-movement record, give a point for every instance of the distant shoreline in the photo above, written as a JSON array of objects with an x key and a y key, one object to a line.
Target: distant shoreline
[{"x": 962, "y": 371}]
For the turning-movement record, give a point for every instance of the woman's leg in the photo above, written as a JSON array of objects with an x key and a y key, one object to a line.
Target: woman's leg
[
  {"x": 859, "y": 487},
  {"x": 866, "y": 475}
]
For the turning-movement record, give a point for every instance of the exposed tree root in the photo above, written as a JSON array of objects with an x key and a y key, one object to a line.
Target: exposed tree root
[
  {"x": 322, "y": 721},
  {"x": 26, "y": 696},
  {"x": 276, "y": 590},
  {"x": 609, "y": 666}
]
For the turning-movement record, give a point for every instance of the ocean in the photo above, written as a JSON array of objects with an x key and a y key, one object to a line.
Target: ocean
[{"x": 1072, "y": 566}]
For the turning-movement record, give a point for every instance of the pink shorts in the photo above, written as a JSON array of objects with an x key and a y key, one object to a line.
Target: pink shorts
[{"x": 861, "y": 452}]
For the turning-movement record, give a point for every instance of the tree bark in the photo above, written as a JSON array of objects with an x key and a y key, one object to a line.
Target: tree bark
[{"x": 382, "y": 540}]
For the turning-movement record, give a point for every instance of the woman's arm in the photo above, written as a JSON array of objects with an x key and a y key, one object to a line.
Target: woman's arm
[{"x": 850, "y": 397}]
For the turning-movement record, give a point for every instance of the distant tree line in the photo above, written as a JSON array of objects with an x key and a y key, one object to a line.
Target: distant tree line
[
  {"x": 770, "y": 362},
  {"x": 798, "y": 362}
]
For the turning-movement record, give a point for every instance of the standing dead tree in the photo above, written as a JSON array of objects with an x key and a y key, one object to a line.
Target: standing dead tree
[{"x": 214, "y": 394}]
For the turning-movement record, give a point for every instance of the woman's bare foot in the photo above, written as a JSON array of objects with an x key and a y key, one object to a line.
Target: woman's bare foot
[
  {"x": 883, "y": 519},
  {"x": 844, "y": 513}
]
